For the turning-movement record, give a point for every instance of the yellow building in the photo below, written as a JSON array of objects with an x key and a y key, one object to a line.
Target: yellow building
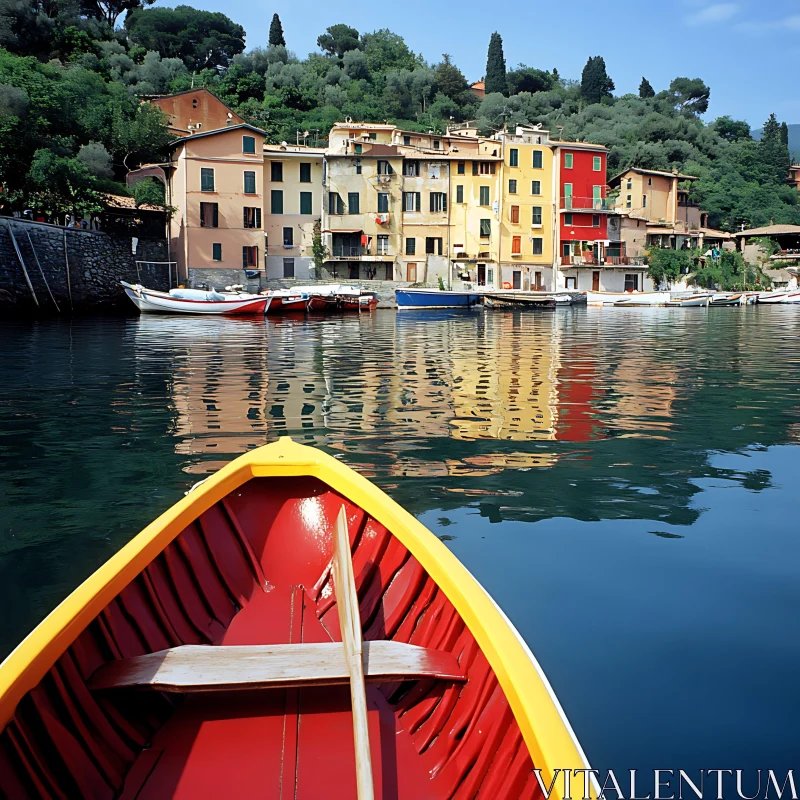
[
  {"x": 528, "y": 227},
  {"x": 293, "y": 194}
]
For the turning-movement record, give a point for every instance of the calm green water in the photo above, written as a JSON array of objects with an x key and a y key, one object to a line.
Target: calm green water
[{"x": 624, "y": 482}]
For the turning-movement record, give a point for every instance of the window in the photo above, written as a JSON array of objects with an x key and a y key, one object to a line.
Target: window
[
  {"x": 385, "y": 168},
  {"x": 644, "y": 201},
  {"x": 433, "y": 245},
  {"x": 411, "y": 246},
  {"x": 411, "y": 201},
  {"x": 305, "y": 173},
  {"x": 383, "y": 244},
  {"x": 460, "y": 168},
  {"x": 306, "y": 202},
  {"x": 513, "y": 157},
  {"x": 632, "y": 282},
  {"x": 567, "y": 195},
  {"x": 251, "y": 217},
  {"x": 436, "y": 144},
  {"x": 630, "y": 184},
  {"x": 485, "y": 168},
  {"x": 407, "y": 141},
  {"x": 514, "y": 215},
  {"x": 288, "y": 237},
  {"x": 209, "y": 215},
  {"x": 536, "y": 187},
  {"x": 628, "y": 202},
  {"x": 288, "y": 268},
  {"x": 411, "y": 168},
  {"x": 597, "y": 163},
  {"x": 649, "y": 181},
  {"x": 438, "y": 202},
  {"x": 249, "y": 182},
  {"x": 516, "y": 245},
  {"x": 537, "y": 245},
  {"x": 537, "y": 159},
  {"x": 358, "y": 166},
  {"x": 335, "y": 204},
  {"x": 568, "y": 159},
  {"x": 276, "y": 201},
  {"x": 249, "y": 257},
  {"x": 486, "y": 228},
  {"x": 595, "y": 220},
  {"x": 353, "y": 203},
  {"x": 373, "y": 135},
  {"x": 536, "y": 216},
  {"x": 216, "y": 251},
  {"x": 276, "y": 171},
  {"x": 248, "y": 144},
  {"x": 358, "y": 149},
  {"x": 570, "y": 283},
  {"x": 484, "y": 196},
  {"x": 459, "y": 193},
  {"x": 383, "y": 202},
  {"x": 206, "y": 179},
  {"x": 512, "y": 187}
]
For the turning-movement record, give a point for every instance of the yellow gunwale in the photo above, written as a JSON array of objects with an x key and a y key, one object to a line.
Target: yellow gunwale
[{"x": 544, "y": 727}]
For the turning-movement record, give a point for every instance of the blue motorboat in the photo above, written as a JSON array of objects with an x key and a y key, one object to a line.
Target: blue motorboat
[{"x": 436, "y": 298}]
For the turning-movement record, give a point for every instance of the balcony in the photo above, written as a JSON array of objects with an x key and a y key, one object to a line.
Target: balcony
[
  {"x": 686, "y": 203},
  {"x": 585, "y": 204},
  {"x": 355, "y": 252}
]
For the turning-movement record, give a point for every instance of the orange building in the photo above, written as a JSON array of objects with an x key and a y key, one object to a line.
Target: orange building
[{"x": 195, "y": 110}]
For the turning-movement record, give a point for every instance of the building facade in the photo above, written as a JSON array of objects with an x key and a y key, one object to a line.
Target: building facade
[
  {"x": 215, "y": 181},
  {"x": 293, "y": 209},
  {"x": 195, "y": 111}
]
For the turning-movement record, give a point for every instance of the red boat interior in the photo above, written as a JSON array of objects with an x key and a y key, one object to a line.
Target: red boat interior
[{"x": 255, "y": 569}]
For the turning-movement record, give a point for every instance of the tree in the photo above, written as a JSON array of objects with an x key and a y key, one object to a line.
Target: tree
[
  {"x": 96, "y": 159},
  {"x": 450, "y": 79},
  {"x": 385, "y": 50},
  {"x": 276, "y": 32},
  {"x": 773, "y": 153},
  {"x": 731, "y": 130},
  {"x": 338, "y": 39},
  {"x": 202, "y": 39},
  {"x": 646, "y": 90},
  {"x": 666, "y": 266},
  {"x": 109, "y": 10},
  {"x": 57, "y": 185},
  {"x": 689, "y": 95},
  {"x": 495, "y": 80},
  {"x": 528, "y": 79},
  {"x": 149, "y": 192},
  {"x": 319, "y": 251},
  {"x": 595, "y": 83},
  {"x": 785, "y": 134}
]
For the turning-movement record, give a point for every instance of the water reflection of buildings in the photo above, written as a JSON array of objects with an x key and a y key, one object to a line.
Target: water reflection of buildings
[{"x": 400, "y": 386}]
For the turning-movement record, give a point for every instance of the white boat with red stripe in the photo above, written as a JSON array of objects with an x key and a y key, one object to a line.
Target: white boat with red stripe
[{"x": 195, "y": 301}]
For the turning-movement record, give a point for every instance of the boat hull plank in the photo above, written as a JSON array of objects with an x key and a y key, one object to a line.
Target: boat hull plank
[{"x": 245, "y": 560}]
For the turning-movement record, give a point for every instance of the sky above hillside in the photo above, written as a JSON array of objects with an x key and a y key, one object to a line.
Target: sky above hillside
[{"x": 746, "y": 51}]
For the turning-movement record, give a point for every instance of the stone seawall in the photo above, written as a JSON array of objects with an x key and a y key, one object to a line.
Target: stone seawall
[{"x": 80, "y": 268}]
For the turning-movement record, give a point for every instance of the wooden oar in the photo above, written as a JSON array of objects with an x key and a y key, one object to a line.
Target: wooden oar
[{"x": 350, "y": 626}]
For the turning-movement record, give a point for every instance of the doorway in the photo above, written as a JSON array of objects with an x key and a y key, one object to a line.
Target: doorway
[
  {"x": 481, "y": 274},
  {"x": 596, "y": 280},
  {"x": 537, "y": 282},
  {"x": 517, "y": 279},
  {"x": 411, "y": 273}
]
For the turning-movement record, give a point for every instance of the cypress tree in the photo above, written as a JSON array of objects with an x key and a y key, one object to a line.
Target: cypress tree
[
  {"x": 595, "y": 83},
  {"x": 646, "y": 90},
  {"x": 785, "y": 133},
  {"x": 495, "y": 80},
  {"x": 276, "y": 32},
  {"x": 774, "y": 154}
]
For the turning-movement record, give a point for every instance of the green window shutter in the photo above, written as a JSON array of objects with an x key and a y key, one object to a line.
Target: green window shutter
[
  {"x": 432, "y": 201},
  {"x": 216, "y": 214},
  {"x": 513, "y": 157},
  {"x": 383, "y": 202},
  {"x": 353, "y": 203},
  {"x": 444, "y": 202},
  {"x": 276, "y": 201},
  {"x": 206, "y": 179},
  {"x": 276, "y": 171},
  {"x": 244, "y": 256},
  {"x": 305, "y": 173},
  {"x": 418, "y": 200},
  {"x": 258, "y": 218},
  {"x": 537, "y": 159},
  {"x": 459, "y": 194},
  {"x": 461, "y": 166},
  {"x": 474, "y": 167},
  {"x": 248, "y": 144},
  {"x": 216, "y": 251},
  {"x": 411, "y": 246},
  {"x": 306, "y": 202}
]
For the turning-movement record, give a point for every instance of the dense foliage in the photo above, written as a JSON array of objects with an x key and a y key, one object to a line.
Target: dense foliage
[{"x": 70, "y": 85}]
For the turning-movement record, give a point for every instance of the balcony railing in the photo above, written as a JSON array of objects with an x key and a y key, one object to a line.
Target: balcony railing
[
  {"x": 585, "y": 203},
  {"x": 348, "y": 251},
  {"x": 688, "y": 204}
]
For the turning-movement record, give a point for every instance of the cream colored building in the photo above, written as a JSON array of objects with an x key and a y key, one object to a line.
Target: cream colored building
[
  {"x": 215, "y": 181},
  {"x": 292, "y": 208}
]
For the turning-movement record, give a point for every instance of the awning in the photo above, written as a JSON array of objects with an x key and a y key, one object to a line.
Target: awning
[{"x": 343, "y": 230}]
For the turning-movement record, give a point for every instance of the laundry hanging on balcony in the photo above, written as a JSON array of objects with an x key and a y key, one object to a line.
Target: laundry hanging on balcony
[{"x": 382, "y": 219}]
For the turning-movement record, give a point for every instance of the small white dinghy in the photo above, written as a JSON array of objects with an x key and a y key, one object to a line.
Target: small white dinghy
[
  {"x": 195, "y": 301},
  {"x": 696, "y": 300},
  {"x": 773, "y": 298},
  {"x": 726, "y": 299}
]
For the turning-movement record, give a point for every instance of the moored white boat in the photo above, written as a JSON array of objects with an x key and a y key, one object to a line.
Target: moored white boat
[
  {"x": 692, "y": 301},
  {"x": 773, "y": 297},
  {"x": 194, "y": 301},
  {"x": 792, "y": 297},
  {"x": 628, "y": 298},
  {"x": 727, "y": 299},
  {"x": 283, "y": 301}
]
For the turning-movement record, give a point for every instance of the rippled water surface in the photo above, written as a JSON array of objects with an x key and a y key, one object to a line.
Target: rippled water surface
[{"x": 624, "y": 482}]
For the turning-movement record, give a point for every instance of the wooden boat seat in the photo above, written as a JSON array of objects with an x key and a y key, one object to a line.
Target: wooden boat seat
[{"x": 207, "y": 668}]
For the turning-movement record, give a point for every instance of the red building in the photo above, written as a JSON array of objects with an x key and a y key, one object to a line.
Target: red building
[{"x": 582, "y": 204}]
